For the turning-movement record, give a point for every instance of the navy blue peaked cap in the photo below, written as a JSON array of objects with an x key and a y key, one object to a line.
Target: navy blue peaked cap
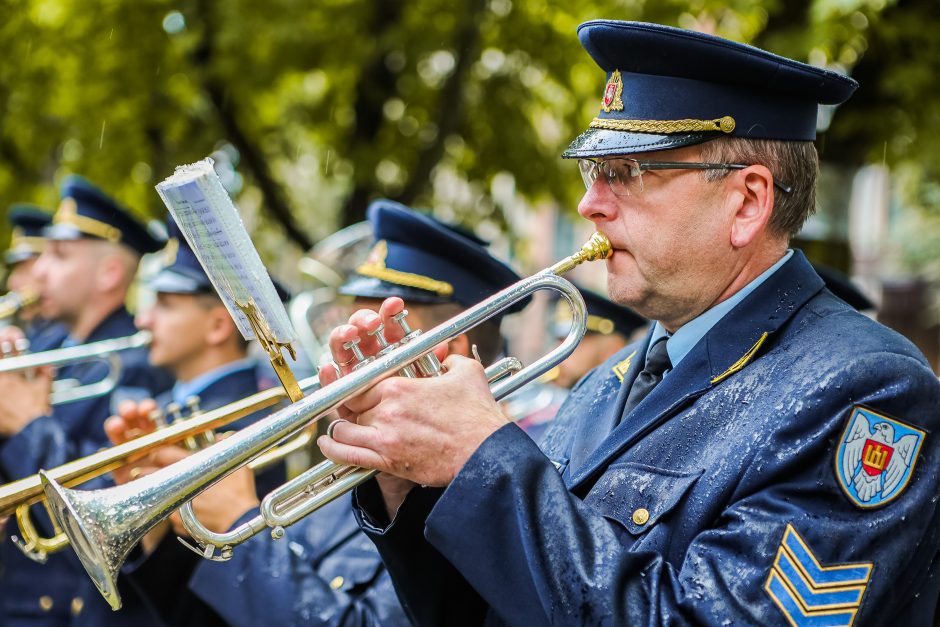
[
  {"x": 604, "y": 316},
  {"x": 668, "y": 87},
  {"x": 421, "y": 260},
  {"x": 183, "y": 274},
  {"x": 87, "y": 212},
  {"x": 26, "y": 240}
]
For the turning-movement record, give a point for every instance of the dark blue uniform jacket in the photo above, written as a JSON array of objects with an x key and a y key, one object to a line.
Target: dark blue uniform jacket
[
  {"x": 720, "y": 499},
  {"x": 325, "y": 572},
  {"x": 45, "y": 594}
]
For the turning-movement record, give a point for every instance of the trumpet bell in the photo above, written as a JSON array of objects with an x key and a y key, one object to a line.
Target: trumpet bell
[{"x": 93, "y": 533}]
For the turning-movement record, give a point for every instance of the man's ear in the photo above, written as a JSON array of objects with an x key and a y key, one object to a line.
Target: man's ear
[
  {"x": 221, "y": 326},
  {"x": 754, "y": 204},
  {"x": 110, "y": 273}
]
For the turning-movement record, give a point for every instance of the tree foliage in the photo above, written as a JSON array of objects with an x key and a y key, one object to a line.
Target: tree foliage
[{"x": 320, "y": 107}]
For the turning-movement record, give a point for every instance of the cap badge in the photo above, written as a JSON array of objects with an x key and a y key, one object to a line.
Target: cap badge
[
  {"x": 67, "y": 208},
  {"x": 171, "y": 251},
  {"x": 613, "y": 92}
]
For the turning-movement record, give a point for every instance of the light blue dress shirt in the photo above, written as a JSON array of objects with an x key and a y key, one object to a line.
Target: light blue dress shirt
[{"x": 182, "y": 390}]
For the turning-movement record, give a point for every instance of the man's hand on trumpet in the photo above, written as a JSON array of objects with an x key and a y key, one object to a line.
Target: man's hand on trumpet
[
  {"x": 218, "y": 507},
  {"x": 24, "y": 396},
  {"x": 409, "y": 428}
]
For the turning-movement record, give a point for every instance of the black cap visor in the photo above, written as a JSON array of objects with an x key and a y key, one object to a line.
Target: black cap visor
[{"x": 598, "y": 142}]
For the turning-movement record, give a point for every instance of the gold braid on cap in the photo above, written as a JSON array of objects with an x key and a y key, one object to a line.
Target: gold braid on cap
[
  {"x": 665, "y": 127},
  {"x": 375, "y": 267},
  {"x": 19, "y": 240},
  {"x": 68, "y": 214}
]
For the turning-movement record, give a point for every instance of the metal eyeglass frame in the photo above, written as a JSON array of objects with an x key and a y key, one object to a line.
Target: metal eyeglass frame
[{"x": 589, "y": 173}]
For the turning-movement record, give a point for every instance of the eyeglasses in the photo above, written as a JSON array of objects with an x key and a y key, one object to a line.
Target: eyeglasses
[{"x": 625, "y": 176}]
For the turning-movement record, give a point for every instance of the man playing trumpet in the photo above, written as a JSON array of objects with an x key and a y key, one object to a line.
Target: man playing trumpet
[
  {"x": 196, "y": 340},
  {"x": 770, "y": 455},
  {"x": 83, "y": 275}
]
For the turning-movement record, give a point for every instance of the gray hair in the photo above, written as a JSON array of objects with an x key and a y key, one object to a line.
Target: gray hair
[{"x": 794, "y": 163}]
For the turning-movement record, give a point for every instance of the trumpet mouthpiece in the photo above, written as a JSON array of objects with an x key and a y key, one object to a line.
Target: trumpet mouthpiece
[{"x": 598, "y": 247}]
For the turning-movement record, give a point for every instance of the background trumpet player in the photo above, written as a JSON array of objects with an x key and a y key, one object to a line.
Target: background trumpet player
[
  {"x": 196, "y": 340},
  {"x": 83, "y": 275},
  {"x": 328, "y": 572},
  {"x": 27, "y": 242}
]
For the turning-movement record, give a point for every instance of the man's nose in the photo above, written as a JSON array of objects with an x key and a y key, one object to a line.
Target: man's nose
[
  {"x": 38, "y": 271},
  {"x": 144, "y": 319},
  {"x": 598, "y": 203}
]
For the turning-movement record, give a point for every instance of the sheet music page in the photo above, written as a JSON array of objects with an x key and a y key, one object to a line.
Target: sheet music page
[{"x": 210, "y": 222}]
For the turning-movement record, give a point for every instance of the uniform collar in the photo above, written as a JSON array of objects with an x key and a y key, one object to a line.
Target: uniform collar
[
  {"x": 119, "y": 323},
  {"x": 688, "y": 335},
  {"x": 182, "y": 390},
  {"x": 729, "y": 346}
]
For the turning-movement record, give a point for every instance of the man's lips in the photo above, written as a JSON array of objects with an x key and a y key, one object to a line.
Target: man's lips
[{"x": 614, "y": 245}]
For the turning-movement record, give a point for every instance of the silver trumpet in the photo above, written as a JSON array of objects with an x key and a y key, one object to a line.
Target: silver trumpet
[
  {"x": 68, "y": 390},
  {"x": 104, "y": 525}
]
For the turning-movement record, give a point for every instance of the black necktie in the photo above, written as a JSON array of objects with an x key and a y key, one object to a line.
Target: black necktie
[{"x": 657, "y": 363}]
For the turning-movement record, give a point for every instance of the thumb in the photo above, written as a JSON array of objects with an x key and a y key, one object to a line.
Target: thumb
[{"x": 46, "y": 373}]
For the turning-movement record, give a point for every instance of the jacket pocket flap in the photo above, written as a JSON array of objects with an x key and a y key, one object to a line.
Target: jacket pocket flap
[{"x": 637, "y": 496}]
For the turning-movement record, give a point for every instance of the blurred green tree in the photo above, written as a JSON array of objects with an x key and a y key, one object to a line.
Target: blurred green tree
[{"x": 315, "y": 108}]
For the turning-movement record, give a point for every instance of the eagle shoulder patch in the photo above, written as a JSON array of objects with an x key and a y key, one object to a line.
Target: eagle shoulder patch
[{"x": 876, "y": 457}]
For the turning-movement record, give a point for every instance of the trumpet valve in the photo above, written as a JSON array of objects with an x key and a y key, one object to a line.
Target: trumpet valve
[
  {"x": 362, "y": 360},
  {"x": 175, "y": 410},
  {"x": 192, "y": 403},
  {"x": 428, "y": 365},
  {"x": 157, "y": 418},
  {"x": 407, "y": 371},
  {"x": 380, "y": 336},
  {"x": 400, "y": 319}
]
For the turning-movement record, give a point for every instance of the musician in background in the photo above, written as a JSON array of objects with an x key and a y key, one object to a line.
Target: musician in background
[
  {"x": 196, "y": 340},
  {"x": 325, "y": 572},
  {"x": 83, "y": 275},
  {"x": 26, "y": 244}
]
